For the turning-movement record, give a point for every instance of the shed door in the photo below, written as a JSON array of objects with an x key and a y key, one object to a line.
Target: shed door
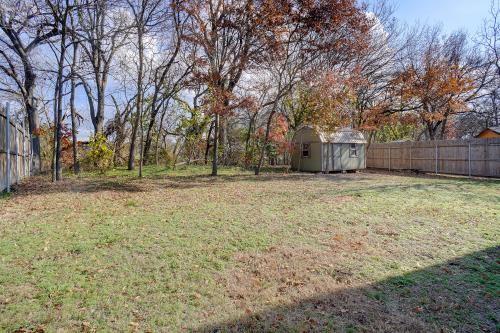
[
  {"x": 337, "y": 156},
  {"x": 328, "y": 157}
]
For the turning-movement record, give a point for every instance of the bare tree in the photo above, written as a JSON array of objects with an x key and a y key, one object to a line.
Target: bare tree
[
  {"x": 147, "y": 14},
  {"x": 73, "y": 82},
  {"x": 490, "y": 40},
  {"x": 61, "y": 11},
  {"x": 104, "y": 30},
  {"x": 169, "y": 74},
  {"x": 25, "y": 27}
]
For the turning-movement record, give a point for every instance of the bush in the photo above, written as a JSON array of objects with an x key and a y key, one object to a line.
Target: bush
[{"x": 99, "y": 156}]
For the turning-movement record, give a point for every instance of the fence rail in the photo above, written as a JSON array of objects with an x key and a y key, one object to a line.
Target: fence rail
[
  {"x": 15, "y": 150},
  {"x": 475, "y": 157}
]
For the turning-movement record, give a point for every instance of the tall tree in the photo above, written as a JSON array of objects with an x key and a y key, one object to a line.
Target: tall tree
[
  {"x": 73, "y": 86},
  {"x": 370, "y": 73},
  {"x": 320, "y": 33},
  {"x": 230, "y": 37},
  {"x": 440, "y": 75},
  {"x": 147, "y": 15},
  {"x": 25, "y": 26},
  {"x": 104, "y": 30},
  {"x": 61, "y": 11},
  {"x": 490, "y": 40},
  {"x": 169, "y": 75}
]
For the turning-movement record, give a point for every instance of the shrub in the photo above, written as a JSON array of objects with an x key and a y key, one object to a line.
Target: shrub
[{"x": 99, "y": 155}]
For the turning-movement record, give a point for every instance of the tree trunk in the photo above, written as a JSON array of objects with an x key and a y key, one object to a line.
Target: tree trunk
[
  {"x": 224, "y": 139},
  {"x": 59, "y": 91},
  {"x": 430, "y": 131},
  {"x": 164, "y": 111},
  {"x": 247, "y": 142},
  {"x": 99, "y": 118},
  {"x": 131, "y": 155},
  {"x": 149, "y": 132},
  {"x": 34, "y": 129},
  {"x": 207, "y": 148},
  {"x": 443, "y": 130},
  {"x": 266, "y": 139},
  {"x": 139, "y": 95},
  {"x": 120, "y": 137},
  {"x": 33, "y": 119},
  {"x": 139, "y": 106},
  {"x": 216, "y": 145},
  {"x": 55, "y": 134},
  {"x": 149, "y": 138},
  {"x": 76, "y": 162}
]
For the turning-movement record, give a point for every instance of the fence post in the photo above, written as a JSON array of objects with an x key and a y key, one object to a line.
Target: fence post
[
  {"x": 411, "y": 146},
  {"x": 7, "y": 131},
  {"x": 436, "y": 155},
  {"x": 30, "y": 153},
  {"x": 389, "y": 158},
  {"x": 24, "y": 147},
  {"x": 487, "y": 158},
  {"x": 17, "y": 150},
  {"x": 469, "y": 159}
]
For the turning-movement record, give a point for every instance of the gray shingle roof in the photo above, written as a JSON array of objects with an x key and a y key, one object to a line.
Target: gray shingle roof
[
  {"x": 346, "y": 135},
  {"x": 343, "y": 135}
]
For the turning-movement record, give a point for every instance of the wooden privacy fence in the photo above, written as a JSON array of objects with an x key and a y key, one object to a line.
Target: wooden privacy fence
[
  {"x": 474, "y": 157},
  {"x": 15, "y": 150}
]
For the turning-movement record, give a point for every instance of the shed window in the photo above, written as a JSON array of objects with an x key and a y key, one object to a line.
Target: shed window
[
  {"x": 353, "y": 151},
  {"x": 306, "y": 150}
]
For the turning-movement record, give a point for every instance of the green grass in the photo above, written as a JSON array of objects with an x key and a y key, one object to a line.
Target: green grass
[{"x": 179, "y": 250}]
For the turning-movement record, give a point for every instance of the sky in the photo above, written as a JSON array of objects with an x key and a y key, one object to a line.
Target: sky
[{"x": 453, "y": 15}]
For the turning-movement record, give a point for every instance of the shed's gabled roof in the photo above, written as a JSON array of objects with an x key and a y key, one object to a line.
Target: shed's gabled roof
[
  {"x": 347, "y": 135},
  {"x": 495, "y": 129},
  {"x": 343, "y": 135}
]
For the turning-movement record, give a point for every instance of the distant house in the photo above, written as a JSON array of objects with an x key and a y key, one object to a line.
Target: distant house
[
  {"x": 317, "y": 151},
  {"x": 489, "y": 133}
]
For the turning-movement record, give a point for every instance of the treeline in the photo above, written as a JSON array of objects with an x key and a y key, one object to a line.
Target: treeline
[{"x": 228, "y": 81}]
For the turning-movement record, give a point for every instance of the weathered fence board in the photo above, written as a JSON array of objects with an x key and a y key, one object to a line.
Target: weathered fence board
[
  {"x": 18, "y": 148},
  {"x": 475, "y": 157}
]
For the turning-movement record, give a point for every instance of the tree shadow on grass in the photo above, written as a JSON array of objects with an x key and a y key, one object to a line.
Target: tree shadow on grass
[
  {"x": 124, "y": 183},
  {"x": 42, "y": 186},
  {"x": 461, "y": 295},
  {"x": 163, "y": 179}
]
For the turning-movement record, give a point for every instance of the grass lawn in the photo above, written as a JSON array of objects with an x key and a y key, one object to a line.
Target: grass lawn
[{"x": 181, "y": 251}]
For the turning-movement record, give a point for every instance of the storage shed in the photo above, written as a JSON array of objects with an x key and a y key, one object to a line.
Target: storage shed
[{"x": 317, "y": 151}]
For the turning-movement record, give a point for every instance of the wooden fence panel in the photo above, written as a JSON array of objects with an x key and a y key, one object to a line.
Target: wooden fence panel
[
  {"x": 3, "y": 149},
  {"x": 475, "y": 157},
  {"x": 19, "y": 148}
]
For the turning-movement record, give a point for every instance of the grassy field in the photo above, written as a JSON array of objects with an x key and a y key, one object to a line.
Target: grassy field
[{"x": 181, "y": 251}]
